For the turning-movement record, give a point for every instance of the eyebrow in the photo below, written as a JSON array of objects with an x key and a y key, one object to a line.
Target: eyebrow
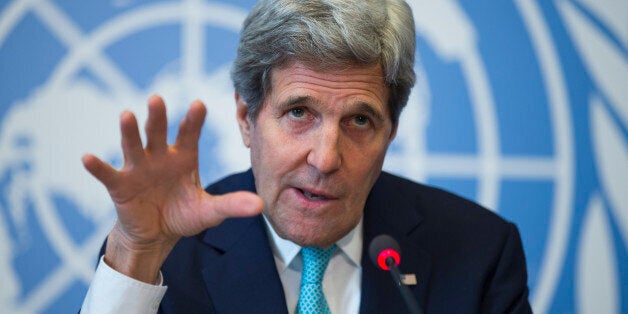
[
  {"x": 294, "y": 101},
  {"x": 370, "y": 110}
]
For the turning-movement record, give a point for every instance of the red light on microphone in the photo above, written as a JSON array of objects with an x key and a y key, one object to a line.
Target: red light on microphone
[
  {"x": 384, "y": 255},
  {"x": 383, "y": 247}
]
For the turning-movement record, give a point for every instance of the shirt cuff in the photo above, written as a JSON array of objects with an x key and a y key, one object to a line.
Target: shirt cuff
[{"x": 114, "y": 292}]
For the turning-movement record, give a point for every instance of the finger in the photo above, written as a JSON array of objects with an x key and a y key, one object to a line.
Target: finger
[
  {"x": 191, "y": 125},
  {"x": 131, "y": 141},
  {"x": 236, "y": 204},
  {"x": 156, "y": 125},
  {"x": 102, "y": 171}
]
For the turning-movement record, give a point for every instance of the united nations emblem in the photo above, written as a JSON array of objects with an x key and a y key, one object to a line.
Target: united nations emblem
[{"x": 498, "y": 115}]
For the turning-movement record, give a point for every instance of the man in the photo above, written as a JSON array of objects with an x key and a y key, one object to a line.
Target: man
[{"x": 319, "y": 89}]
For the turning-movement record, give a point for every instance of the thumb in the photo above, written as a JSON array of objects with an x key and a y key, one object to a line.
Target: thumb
[{"x": 235, "y": 204}]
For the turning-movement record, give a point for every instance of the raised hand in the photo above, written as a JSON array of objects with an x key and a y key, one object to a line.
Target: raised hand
[{"x": 157, "y": 192}]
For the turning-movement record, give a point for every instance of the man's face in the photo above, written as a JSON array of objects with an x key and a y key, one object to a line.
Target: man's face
[{"x": 317, "y": 147}]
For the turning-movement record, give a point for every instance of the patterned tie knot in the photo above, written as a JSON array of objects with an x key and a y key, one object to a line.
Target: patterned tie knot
[{"x": 315, "y": 262}]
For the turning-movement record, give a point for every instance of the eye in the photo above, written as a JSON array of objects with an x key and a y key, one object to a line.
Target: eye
[
  {"x": 361, "y": 120},
  {"x": 296, "y": 112}
]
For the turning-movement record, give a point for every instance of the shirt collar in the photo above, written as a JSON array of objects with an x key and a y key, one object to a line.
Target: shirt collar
[{"x": 285, "y": 251}]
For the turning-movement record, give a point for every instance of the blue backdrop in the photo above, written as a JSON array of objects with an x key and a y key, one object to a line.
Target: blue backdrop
[{"x": 520, "y": 105}]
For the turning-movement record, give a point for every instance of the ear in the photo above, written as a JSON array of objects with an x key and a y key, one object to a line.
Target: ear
[
  {"x": 244, "y": 122},
  {"x": 393, "y": 132}
]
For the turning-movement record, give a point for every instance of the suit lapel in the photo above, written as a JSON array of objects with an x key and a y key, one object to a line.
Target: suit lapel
[
  {"x": 242, "y": 277},
  {"x": 388, "y": 211}
]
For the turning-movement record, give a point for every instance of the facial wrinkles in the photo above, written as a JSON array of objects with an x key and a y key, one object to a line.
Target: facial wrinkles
[
  {"x": 334, "y": 105},
  {"x": 300, "y": 83},
  {"x": 350, "y": 153},
  {"x": 281, "y": 156},
  {"x": 341, "y": 85}
]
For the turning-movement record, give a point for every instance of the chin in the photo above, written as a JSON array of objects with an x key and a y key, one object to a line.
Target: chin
[
  {"x": 320, "y": 241},
  {"x": 309, "y": 235},
  {"x": 319, "y": 231}
]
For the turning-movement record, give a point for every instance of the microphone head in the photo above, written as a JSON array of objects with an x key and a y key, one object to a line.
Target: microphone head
[{"x": 381, "y": 248}]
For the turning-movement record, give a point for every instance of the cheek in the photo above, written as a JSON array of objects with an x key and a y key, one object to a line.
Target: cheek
[
  {"x": 277, "y": 147},
  {"x": 366, "y": 161},
  {"x": 270, "y": 152},
  {"x": 273, "y": 157},
  {"x": 363, "y": 171}
]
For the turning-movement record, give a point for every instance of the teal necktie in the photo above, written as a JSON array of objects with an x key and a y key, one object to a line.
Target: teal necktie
[{"x": 311, "y": 297}]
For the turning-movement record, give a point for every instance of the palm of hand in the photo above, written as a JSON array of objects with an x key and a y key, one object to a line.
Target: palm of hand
[{"x": 157, "y": 193}]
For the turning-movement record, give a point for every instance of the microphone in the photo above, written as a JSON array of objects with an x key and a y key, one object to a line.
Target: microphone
[{"x": 386, "y": 254}]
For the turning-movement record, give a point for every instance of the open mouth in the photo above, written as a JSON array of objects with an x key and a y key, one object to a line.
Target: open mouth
[{"x": 314, "y": 197}]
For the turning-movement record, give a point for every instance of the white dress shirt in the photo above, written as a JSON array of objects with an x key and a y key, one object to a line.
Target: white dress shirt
[
  {"x": 342, "y": 280},
  {"x": 114, "y": 292}
]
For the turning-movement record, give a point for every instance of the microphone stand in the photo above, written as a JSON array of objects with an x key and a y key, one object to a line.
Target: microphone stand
[{"x": 407, "y": 296}]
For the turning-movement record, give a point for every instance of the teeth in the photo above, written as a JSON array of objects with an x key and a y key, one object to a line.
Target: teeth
[{"x": 313, "y": 196}]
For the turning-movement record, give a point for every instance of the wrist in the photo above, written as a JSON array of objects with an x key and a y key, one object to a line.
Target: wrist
[{"x": 140, "y": 261}]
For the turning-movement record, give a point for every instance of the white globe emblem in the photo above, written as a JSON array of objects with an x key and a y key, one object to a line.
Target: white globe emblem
[
  {"x": 605, "y": 60},
  {"x": 71, "y": 115},
  {"x": 91, "y": 112},
  {"x": 451, "y": 33}
]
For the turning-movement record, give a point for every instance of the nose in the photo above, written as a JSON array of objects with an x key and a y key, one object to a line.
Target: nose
[{"x": 325, "y": 154}]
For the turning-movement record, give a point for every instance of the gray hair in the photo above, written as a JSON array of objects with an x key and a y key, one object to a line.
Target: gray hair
[{"x": 326, "y": 34}]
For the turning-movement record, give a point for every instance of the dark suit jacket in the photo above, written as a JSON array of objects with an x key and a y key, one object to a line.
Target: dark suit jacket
[{"x": 466, "y": 259}]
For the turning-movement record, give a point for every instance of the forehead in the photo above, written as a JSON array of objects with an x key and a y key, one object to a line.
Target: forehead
[{"x": 358, "y": 82}]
